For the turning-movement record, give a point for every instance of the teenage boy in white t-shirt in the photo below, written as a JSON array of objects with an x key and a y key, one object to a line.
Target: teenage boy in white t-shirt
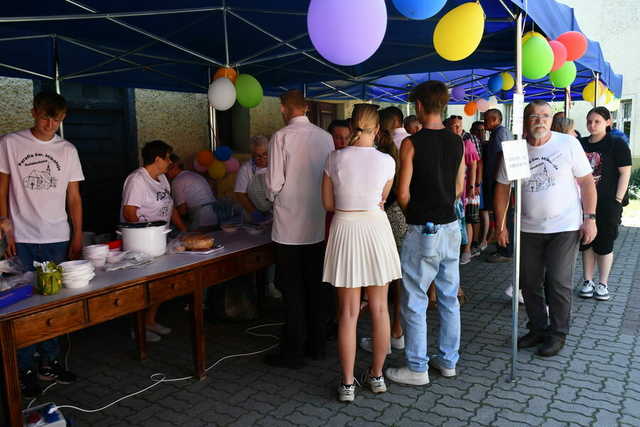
[{"x": 39, "y": 181}]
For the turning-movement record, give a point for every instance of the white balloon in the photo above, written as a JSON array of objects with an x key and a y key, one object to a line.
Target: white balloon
[
  {"x": 222, "y": 94},
  {"x": 613, "y": 105},
  {"x": 483, "y": 105},
  {"x": 493, "y": 102}
]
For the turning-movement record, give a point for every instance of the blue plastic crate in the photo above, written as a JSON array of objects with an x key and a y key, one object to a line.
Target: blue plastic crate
[{"x": 15, "y": 294}]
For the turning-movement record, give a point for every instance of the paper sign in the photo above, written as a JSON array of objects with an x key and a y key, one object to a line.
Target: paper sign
[
  {"x": 517, "y": 111},
  {"x": 516, "y": 159}
]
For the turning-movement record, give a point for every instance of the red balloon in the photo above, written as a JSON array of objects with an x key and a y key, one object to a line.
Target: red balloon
[
  {"x": 559, "y": 54},
  {"x": 576, "y": 44}
]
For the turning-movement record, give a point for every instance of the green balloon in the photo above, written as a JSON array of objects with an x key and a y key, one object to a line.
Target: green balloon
[
  {"x": 248, "y": 90},
  {"x": 537, "y": 58},
  {"x": 563, "y": 76}
]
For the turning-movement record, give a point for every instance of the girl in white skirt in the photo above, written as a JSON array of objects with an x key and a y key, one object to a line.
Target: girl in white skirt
[{"x": 361, "y": 251}]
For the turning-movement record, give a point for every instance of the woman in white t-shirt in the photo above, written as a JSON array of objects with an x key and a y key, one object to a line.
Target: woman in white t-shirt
[
  {"x": 146, "y": 197},
  {"x": 361, "y": 250}
]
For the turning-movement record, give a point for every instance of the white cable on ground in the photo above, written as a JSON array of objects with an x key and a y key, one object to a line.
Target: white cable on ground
[{"x": 159, "y": 378}]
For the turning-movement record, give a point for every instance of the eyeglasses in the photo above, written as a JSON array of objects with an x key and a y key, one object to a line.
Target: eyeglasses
[
  {"x": 534, "y": 117},
  {"x": 261, "y": 156}
]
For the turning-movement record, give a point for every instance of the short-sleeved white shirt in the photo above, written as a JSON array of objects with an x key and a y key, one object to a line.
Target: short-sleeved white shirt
[
  {"x": 40, "y": 173},
  {"x": 151, "y": 197},
  {"x": 358, "y": 175},
  {"x": 550, "y": 198},
  {"x": 399, "y": 135},
  {"x": 245, "y": 175},
  {"x": 192, "y": 189}
]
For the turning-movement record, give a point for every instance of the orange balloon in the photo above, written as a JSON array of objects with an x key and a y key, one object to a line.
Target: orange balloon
[
  {"x": 470, "y": 108},
  {"x": 227, "y": 72},
  {"x": 205, "y": 158}
]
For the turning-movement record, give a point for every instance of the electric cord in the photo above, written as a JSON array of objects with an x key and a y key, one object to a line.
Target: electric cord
[{"x": 159, "y": 378}]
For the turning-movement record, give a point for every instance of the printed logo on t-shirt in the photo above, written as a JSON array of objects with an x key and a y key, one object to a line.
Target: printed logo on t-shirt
[
  {"x": 161, "y": 195},
  {"x": 542, "y": 175},
  {"x": 35, "y": 168},
  {"x": 595, "y": 160}
]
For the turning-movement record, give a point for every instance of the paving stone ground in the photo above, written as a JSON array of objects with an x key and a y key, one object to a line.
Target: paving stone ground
[{"x": 594, "y": 381}]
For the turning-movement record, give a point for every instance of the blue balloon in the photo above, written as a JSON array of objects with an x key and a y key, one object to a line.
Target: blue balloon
[
  {"x": 495, "y": 83},
  {"x": 419, "y": 9},
  {"x": 223, "y": 153}
]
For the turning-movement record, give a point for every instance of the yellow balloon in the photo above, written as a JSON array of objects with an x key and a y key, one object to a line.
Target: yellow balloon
[
  {"x": 507, "y": 81},
  {"x": 589, "y": 91},
  {"x": 608, "y": 96},
  {"x": 217, "y": 169},
  {"x": 459, "y": 32},
  {"x": 530, "y": 34}
]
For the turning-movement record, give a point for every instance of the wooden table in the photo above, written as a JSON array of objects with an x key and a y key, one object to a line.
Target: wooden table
[{"x": 118, "y": 293}]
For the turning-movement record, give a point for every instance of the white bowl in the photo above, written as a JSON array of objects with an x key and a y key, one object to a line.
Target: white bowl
[
  {"x": 81, "y": 264},
  {"x": 253, "y": 229},
  {"x": 77, "y": 275},
  {"x": 95, "y": 251},
  {"x": 98, "y": 262},
  {"x": 76, "y": 284},
  {"x": 230, "y": 228}
]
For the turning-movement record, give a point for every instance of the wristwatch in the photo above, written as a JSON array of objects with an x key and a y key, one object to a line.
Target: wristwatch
[{"x": 589, "y": 216}]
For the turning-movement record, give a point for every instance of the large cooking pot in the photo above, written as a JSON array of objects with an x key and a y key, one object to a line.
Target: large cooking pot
[{"x": 146, "y": 237}]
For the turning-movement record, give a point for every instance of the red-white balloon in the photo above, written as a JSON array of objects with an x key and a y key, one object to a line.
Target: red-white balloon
[{"x": 576, "y": 44}]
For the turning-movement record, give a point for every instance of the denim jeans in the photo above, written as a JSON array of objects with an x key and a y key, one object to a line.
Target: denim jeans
[
  {"x": 28, "y": 253},
  {"x": 425, "y": 258}
]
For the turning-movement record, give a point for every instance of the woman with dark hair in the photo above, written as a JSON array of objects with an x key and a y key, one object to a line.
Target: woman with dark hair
[{"x": 610, "y": 159}]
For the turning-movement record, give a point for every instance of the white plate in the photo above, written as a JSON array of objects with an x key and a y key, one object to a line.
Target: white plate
[{"x": 80, "y": 264}]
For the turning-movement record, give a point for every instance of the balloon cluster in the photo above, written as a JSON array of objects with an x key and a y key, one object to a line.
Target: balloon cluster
[
  {"x": 228, "y": 86},
  {"x": 604, "y": 95},
  {"x": 217, "y": 164},
  {"x": 553, "y": 58},
  {"x": 496, "y": 83}
]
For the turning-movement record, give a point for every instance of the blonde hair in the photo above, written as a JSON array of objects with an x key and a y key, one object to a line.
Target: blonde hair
[
  {"x": 562, "y": 124},
  {"x": 364, "y": 119}
]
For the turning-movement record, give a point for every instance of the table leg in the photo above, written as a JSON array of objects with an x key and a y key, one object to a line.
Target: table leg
[
  {"x": 140, "y": 332},
  {"x": 11, "y": 396},
  {"x": 197, "y": 331}
]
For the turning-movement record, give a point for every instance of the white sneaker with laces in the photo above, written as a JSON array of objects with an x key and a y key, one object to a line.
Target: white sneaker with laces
[
  {"x": 465, "y": 258},
  {"x": 366, "y": 343},
  {"x": 346, "y": 392},
  {"x": 159, "y": 329},
  {"x": 586, "y": 291},
  {"x": 376, "y": 384},
  {"x": 397, "y": 343},
  {"x": 436, "y": 363},
  {"x": 405, "y": 375},
  {"x": 149, "y": 336},
  {"x": 601, "y": 292}
]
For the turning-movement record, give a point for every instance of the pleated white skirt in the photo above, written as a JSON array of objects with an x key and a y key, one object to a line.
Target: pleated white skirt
[{"x": 361, "y": 250}]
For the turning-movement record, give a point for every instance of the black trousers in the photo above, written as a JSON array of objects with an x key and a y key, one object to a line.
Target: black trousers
[{"x": 306, "y": 298}]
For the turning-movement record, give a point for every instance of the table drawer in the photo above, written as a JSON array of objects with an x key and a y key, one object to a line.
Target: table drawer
[
  {"x": 48, "y": 324},
  {"x": 220, "y": 271},
  {"x": 257, "y": 259},
  {"x": 171, "y": 287},
  {"x": 116, "y": 303}
]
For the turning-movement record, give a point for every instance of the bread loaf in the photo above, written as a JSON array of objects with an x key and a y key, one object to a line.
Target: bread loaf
[{"x": 197, "y": 242}]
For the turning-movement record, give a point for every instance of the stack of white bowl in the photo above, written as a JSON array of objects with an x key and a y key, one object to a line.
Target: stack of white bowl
[
  {"x": 96, "y": 254},
  {"x": 77, "y": 274}
]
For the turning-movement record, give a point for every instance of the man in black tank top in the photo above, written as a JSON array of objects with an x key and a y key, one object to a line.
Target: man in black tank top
[{"x": 431, "y": 177}]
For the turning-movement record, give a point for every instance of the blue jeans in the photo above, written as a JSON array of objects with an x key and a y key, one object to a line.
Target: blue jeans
[
  {"x": 28, "y": 253},
  {"x": 425, "y": 258}
]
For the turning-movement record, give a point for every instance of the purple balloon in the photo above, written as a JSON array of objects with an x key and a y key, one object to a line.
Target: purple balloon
[
  {"x": 347, "y": 32},
  {"x": 458, "y": 93}
]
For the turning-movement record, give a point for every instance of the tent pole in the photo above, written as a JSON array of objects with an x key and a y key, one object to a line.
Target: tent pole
[
  {"x": 595, "y": 90},
  {"x": 56, "y": 75},
  {"x": 226, "y": 32},
  {"x": 517, "y": 217},
  {"x": 212, "y": 116},
  {"x": 567, "y": 100}
]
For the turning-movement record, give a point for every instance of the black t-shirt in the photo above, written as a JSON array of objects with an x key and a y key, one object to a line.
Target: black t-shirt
[
  {"x": 606, "y": 157},
  {"x": 437, "y": 156}
]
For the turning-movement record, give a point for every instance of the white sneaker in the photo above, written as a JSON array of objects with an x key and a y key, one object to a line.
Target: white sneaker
[
  {"x": 159, "y": 329},
  {"x": 149, "y": 336},
  {"x": 465, "y": 258},
  {"x": 366, "y": 343},
  {"x": 587, "y": 289},
  {"x": 483, "y": 246},
  {"x": 376, "y": 384},
  {"x": 601, "y": 292},
  {"x": 346, "y": 392},
  {"x": 509, "y": 292},
  {"x": 397, "y": 343},
  {"x": 273, "y": 292},
  {"x": 406, "y": 376},
  {"x": 436, "y": 363}
]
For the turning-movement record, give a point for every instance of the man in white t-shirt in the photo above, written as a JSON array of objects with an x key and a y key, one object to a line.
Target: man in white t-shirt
[
  {"x": 555, "y": 218},
  {"x": 392, "y": 118},
  {"x": 39, "y": 181},
  {"x": 248, "y": 171},
  {"x": 192, "y": 196},
  {"x": 297, "y": 154}
]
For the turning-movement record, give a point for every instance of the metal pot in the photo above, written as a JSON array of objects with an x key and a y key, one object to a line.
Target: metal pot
[{"x": 146, "y": 237}]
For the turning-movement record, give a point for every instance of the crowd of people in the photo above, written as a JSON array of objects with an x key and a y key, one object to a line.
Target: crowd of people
[{"x": 379, "y": 211}]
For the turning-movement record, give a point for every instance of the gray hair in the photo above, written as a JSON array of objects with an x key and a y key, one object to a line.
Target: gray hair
[
  {"x": 562, "y": 124},
  {"x": 258, "y": 141}
]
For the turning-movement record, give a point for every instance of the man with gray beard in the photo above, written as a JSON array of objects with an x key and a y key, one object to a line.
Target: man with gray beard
[{"x": 555, "y": 218}]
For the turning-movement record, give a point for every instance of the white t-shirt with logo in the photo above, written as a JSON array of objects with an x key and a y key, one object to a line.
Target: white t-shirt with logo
[
  {"x": 550, "y": 197},
  {"x": 193, "y": 190},
  {"x": 151, "y": 197},
  {"x": 40, "y": 173},
  {"x": 245, "y": 175}
]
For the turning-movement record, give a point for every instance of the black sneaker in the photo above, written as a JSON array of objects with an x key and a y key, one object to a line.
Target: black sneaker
[
  {"x": 29, "y": 385},
  {"x": 56, "y": 372}
]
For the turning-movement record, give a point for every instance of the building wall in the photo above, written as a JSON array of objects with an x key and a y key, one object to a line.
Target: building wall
[
  {"x": 266, "y": 118},
  {"x": 16, "y": 101}
]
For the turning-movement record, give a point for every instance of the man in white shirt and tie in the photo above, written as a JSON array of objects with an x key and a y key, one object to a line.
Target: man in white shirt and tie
[{"x": 297, "y": 155}]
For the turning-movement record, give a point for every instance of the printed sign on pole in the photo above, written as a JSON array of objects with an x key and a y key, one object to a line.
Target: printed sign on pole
[{"x": 516, "y": 159}]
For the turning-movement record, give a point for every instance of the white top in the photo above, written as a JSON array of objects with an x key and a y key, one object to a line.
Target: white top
[
  {"x": 245, "y": 175},
  {"x": 40, "y": 173},
  {"x": 297, "y": 153},
  {"x": 151, "y": 197},
  {"x": 194, "y": 190},
  {"x": 550, "y": 197},
  {"x": 398, "y": 135},
  {"x": 358, "y": 175}
]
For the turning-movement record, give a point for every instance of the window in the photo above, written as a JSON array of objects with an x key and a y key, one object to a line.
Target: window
[{"x": 625, "y": 120}]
